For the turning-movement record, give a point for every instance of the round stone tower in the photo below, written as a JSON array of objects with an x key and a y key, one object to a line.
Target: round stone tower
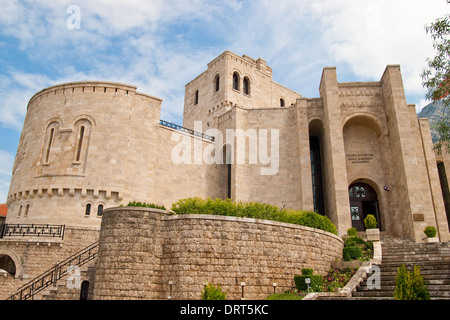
[{"x": 84, "y": 146}]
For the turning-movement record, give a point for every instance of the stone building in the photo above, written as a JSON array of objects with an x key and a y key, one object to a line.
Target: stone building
[{"x": 357, "y": 149}]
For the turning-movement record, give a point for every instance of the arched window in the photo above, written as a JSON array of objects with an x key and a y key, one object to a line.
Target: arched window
[
  {"x": 100, "y": 210},
  {"x": 246, "y": 88},
  {"x": 49, "y": 145},
  {"x": 20, "y": 211},
  {"x": 282, "y": 102},
  {"x": 217, "y": 83},
  {"x": 88, "y": 209},
  {"x": 196, "y": 98},
  {"x": 27, "y": 208},
  {"x": 236, "y": 81},
  {"x": 80, "y": 143}
]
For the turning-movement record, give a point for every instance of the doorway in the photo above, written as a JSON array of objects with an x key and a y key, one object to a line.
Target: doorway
[{"x": 363, "y": 201}]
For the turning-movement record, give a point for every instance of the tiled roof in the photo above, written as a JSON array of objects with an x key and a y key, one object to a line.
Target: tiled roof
[{"x": 3, "y": 210}]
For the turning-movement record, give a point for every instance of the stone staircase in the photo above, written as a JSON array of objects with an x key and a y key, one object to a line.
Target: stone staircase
[
  {"x": 434, "y": 261},
  {"x": 61, "y": 291}
]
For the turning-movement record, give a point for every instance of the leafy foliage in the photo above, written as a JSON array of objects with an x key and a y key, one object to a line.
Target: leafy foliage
[
  {"x": 212, "y": 292},
  {"x": 436, "y": 78},
  {"x": 370, "y": 222},
  {"x": 145, "y": 205},
  {"x": 253, "y": 210},
  {"x": 410, "y": 285},
  {"x": 430, "y": 231}
]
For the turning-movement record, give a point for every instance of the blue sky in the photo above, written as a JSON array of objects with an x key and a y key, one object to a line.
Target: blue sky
[{"x": 160, "y": 45}]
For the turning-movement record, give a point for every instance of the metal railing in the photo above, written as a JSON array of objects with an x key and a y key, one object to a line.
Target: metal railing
[
  {"x": 52, "y": 275},
  {"x": 186, "y": 130},
  {"x": 32, "y": 230}
]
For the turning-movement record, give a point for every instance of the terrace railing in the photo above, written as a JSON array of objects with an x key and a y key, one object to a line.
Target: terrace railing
[{"x": 32, "y": 230}]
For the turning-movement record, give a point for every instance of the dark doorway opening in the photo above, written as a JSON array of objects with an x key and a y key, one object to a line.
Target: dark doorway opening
[{"x": 363, "y": 201}]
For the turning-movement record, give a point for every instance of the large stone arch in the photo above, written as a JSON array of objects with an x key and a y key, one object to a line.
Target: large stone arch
[{"x": 6, "y": 253}]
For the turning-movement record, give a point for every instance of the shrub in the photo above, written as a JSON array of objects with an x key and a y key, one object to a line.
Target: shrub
[
  {"x": 285, "y": 296},
  {"x": 253, "y": 210},
  {"x": 352, "y": 253},
  {"x": 353, "y": 241},
  {"x": 307, "y": 272},
  {"x": 314, "y": 285},
  {"x": 430, "y": 231},
  {"x": 410, "y": 285},
  {"x": 145, "y": 205},
  {"x": 370, "y": 222},
  {"x": 351, "y": 232},
  {"x": 212, "y": 292}
]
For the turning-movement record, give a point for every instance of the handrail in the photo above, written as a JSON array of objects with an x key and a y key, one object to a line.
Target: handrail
[
  {"x": 189, "y": 131},
  {"x": 52, "y": 275},
  {"x": 39, "y": 230}
]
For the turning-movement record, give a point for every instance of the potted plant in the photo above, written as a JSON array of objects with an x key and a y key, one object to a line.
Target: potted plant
[
  {"x": 372, "y": 231},
  {"x": 430, "y": 232}
]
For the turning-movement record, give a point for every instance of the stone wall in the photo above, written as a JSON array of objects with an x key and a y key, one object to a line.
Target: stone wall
[
  {"x": 148, "y": 254},
  {"x": 33, "y": 256}
]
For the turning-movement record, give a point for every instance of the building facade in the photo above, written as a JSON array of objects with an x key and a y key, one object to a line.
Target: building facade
[{"x": 358, "y": 149}]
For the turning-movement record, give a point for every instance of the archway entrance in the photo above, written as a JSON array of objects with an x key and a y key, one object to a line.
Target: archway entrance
[{"x": 363, "y": 201}]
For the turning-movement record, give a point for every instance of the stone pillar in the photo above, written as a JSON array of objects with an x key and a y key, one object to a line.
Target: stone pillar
[
  {"x": 129, "y": 254},
  {"x": 335, "y": 171}
]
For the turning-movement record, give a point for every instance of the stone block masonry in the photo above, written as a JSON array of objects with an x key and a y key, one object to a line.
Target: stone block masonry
[{"x": 150, "y": 254}]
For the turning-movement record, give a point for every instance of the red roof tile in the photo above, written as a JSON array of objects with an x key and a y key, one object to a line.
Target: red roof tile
[{"x": 3, "y": 210}]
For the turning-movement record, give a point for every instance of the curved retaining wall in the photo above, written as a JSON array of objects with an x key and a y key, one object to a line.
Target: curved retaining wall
[{"x": 149, "y": 254}]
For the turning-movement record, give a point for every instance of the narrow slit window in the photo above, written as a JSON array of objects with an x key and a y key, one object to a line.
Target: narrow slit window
[
  {"x": 196, "y": 97},
  {"x": 80, "y": 143},
  {"x": 217, "y": 83},
  {"x": 49, "y": 145},
  {"x": 26, "y": 210}
]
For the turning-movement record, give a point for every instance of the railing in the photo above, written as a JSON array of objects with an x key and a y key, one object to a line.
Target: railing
[
  {"x": 52, "y": 275},
  {"x": 183, "y": 129},
  {"x": 32, "y": 230}
]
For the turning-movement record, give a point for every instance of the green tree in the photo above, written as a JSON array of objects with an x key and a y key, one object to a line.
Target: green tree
[{"x": 436, "y": 77}]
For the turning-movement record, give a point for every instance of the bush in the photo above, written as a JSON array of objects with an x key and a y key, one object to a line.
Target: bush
[
  {"x": 370, "y": 222},
  {"x": 353, "y": 241},
  {"x": 351, "y": 232},
  {"x": 314, "y": 285},
  {"x": 212, "y": 292},
  {"x": 285, "y": 296},
  {"x": 352, "y": 253},
  {"x": 430, "y": 231},
  {"x": 307, "y": 272},
  {"x": 410, "y": 285},
  {"x": 253, "y": 210},
  {"x": 145, "y": 205}
]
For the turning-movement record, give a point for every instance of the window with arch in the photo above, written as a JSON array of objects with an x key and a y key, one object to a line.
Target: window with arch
[
  {"x": 49, "y": 141},
  {"x": 246, "y": 86},
  {"x": 100, "y": 210},
  {"x": 236, "y": 81},
  {"x": 217, "y": 83},
  {"x": 83, "y": 131},
  {"x": 27, "y": 208},
  {"x": 282, "y": 104},
  {"x": 87, "y": 212},
  {"x": 20, "y": 211}
]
